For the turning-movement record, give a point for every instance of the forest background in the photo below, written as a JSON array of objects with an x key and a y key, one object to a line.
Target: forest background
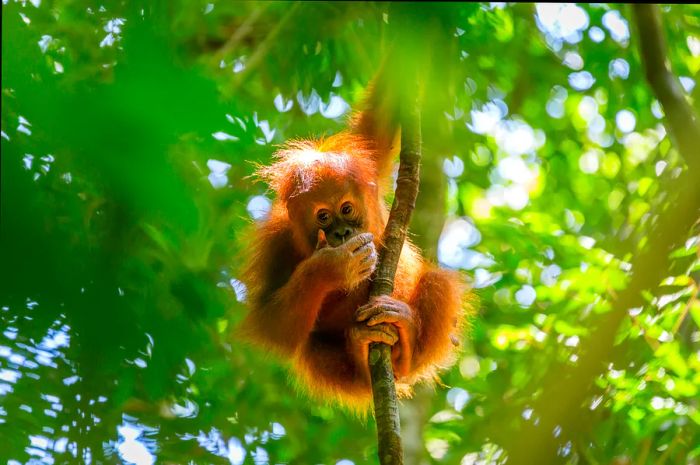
[{"x": 558, "y": 175}]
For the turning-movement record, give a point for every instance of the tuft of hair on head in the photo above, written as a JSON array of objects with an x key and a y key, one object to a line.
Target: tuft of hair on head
[{"x": 300, "y": 164}]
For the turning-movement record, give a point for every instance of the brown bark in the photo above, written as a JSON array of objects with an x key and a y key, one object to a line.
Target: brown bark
[{"x": 386, "y": 409}]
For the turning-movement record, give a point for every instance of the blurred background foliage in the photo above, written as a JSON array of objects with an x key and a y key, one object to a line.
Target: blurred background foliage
[{"x": 129, "y": 134}]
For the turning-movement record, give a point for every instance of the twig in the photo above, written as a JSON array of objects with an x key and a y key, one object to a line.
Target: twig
[
  {"x": 240, "y": 33},
  {"x": 264, "y": 47}
]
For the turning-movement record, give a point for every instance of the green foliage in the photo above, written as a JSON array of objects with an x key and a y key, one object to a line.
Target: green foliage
[{"x": 120, "y": 234}]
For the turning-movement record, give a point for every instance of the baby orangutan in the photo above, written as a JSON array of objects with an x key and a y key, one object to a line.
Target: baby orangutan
[{"x": 311, "y": 261}]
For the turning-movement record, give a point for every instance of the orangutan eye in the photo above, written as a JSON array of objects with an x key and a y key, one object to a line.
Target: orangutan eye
[
  {"x": 324, "y": 217},
  {"x": 346, "y": 209}
]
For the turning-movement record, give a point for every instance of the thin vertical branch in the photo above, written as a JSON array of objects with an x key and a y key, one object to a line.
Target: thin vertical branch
[{"x": 386, "y": 409}]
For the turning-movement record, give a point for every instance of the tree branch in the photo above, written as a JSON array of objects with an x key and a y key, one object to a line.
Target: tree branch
[
  {"x": 680, "y": 117},
  {"x": 383, "y": 388}
]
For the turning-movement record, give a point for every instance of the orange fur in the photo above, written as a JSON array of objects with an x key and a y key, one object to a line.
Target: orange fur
[{"x": 300, "y": 308}]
